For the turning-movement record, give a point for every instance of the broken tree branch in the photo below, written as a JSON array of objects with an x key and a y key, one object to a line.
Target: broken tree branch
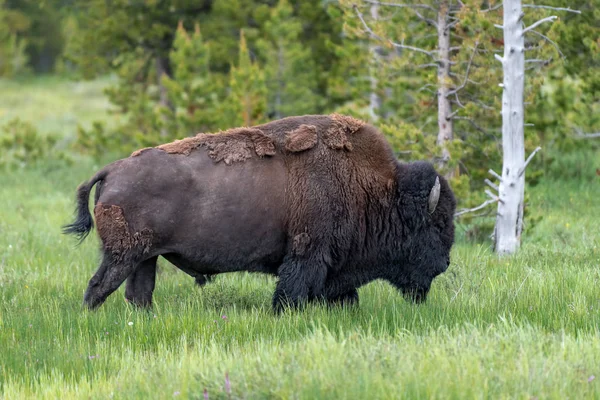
[
  {"x": 376, "y": 36},
  {"x": 479, "y": 207},
  {"x": 492, "y": 8},
  {"x": 495, "y": 175},
  {"x": 462, "y": 85},
  {"x": 522, "y": 170},
  {"x": 538, "y": 23},
  {"x": 582, "y": 135},
  {"x": 491, "y": 184},
  {"x": 381, "y": 3},
  {"x": 552, "y": 8},
  {"x": 492, "y": 195}
]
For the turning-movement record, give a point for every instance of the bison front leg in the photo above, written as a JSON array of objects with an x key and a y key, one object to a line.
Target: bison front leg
[
  {"x": 298, "y": 281},
  {"x": 140, "y": 284}
]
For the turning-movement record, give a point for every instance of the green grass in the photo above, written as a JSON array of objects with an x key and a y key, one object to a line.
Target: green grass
[
  {"x": 523, "y": 327},
  {"x": 56, "y": 105}
]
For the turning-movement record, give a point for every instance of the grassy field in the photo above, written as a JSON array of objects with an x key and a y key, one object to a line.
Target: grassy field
[
  {"x": 526, "y": 327},
  {"x": 55, "y": 105}
]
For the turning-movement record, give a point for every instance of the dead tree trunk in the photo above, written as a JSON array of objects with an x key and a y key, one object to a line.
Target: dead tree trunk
[
  {"x": 509, "y": 222},
  {"x": 163, "y": 68},
  {"x": 445, "y": 133}
]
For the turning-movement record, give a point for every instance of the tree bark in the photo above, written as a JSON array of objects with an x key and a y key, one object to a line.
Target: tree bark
[
  {"x": 509, "y": 222},
  {"x": 445, "y": 133},
  {"x": 280, "y": 81},
  {"x": 163, "y": 67},
  {"x": 374, "y": 98}
]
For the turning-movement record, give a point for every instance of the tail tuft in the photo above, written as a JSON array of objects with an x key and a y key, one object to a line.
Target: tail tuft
[{"x": 83, "y": 223}]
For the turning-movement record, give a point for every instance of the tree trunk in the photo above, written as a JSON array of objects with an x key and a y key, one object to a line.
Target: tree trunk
[
  {"x": 509, "y": 222},
  {"x": 163, "y": 68},
  {"x": 374, "y": 98},
  {"x": 280, "y": 81},
  {"x": 445, "y": 133}
]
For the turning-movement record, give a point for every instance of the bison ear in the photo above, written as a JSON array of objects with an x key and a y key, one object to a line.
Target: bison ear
[{"x": 434, "y": 195}]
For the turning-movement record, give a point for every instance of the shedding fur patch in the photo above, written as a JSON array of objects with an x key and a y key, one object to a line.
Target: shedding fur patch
[
  {"x": 301, "y": 139},
  {"x": 336, "y": 136},
  {"x": 115, "y": 232},
  {"x": 140, "y": 151},
  {"x": 233, "y": 145},
  {"x": 301, "y": 242}
]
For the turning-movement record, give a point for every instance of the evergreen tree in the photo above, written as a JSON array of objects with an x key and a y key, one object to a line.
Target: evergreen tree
[
  {"x": 13, "y": 57},
  {"x": 289, "y": 68},
  {"x": 246, "y": 102},
  {"x": 195, "y": 93}
]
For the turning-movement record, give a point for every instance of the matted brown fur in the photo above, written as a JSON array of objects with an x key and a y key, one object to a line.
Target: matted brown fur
[
  {"x": 233, "y": 145},
  {"x": 301, "y": 243},
  {"x": 301, "y": 139},
  {"x": 115, "y": 232},
  {"x": 336, "y": 136}
]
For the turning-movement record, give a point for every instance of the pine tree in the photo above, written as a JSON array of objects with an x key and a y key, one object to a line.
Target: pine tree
[
  {"x": 194, "y": 91},
  {"x": 289, "y": 68},
  {"x": 246, "y": 102},
  {"x": 13, "y": 57}
]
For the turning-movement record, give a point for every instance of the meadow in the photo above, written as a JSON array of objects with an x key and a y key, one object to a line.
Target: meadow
[{"x": 525, "y": 327}]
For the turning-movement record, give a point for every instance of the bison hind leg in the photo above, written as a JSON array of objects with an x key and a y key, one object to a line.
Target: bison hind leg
[
  {"x": 112, "y": 272},
  {"x": 140, "y": 284},
  {"x": 202, "y": 280}
]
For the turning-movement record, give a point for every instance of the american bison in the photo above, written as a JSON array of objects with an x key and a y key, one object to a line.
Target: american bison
[{"x": 320, "y": 201}]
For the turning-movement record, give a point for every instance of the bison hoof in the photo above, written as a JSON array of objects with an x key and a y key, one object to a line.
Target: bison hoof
[
  {"x": 345, "y": 300},
  {"x": 202, "y": 280}
]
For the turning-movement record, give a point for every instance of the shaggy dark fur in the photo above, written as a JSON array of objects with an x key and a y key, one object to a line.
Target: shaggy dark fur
[{"x": 326, "y": 219}]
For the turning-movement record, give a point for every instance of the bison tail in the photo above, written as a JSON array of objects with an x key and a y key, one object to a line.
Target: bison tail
[{"x": 83, "y": 223}]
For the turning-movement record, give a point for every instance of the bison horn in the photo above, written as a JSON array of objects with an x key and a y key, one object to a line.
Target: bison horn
[{"x": 434, "y": 195}]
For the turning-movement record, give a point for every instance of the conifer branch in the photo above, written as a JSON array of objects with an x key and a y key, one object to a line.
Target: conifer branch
[{"x": 549, "y": 41}]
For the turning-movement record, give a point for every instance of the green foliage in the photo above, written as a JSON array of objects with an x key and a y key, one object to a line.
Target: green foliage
[
  {"x": 289, "y": 68},
  {"x": 246, "y": 101},
  {"x": 13, "y": 56},
  {"x": 194, "y": 92},
  {"x": 21, "y": 145},
  {"x": 37, "y": 27}
]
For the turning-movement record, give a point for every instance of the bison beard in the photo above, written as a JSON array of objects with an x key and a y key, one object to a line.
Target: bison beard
[{"x": 319, "y": 201}]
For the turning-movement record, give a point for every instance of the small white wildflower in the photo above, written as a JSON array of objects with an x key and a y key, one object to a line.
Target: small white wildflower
[{"x": 130, "y": 323}]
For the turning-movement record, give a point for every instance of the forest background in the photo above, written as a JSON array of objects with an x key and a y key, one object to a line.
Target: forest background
[{"x": 83, "y": 83}]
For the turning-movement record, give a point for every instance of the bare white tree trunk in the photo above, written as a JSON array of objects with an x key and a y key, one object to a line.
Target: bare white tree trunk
[
  {"x": 374, "y": 99},
  {"x": 509, "y": 222},
  {"x": 445, "y": 133}
]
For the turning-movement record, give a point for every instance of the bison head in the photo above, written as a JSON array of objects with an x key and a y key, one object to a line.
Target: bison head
[{"x": 426, "y": 208}]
